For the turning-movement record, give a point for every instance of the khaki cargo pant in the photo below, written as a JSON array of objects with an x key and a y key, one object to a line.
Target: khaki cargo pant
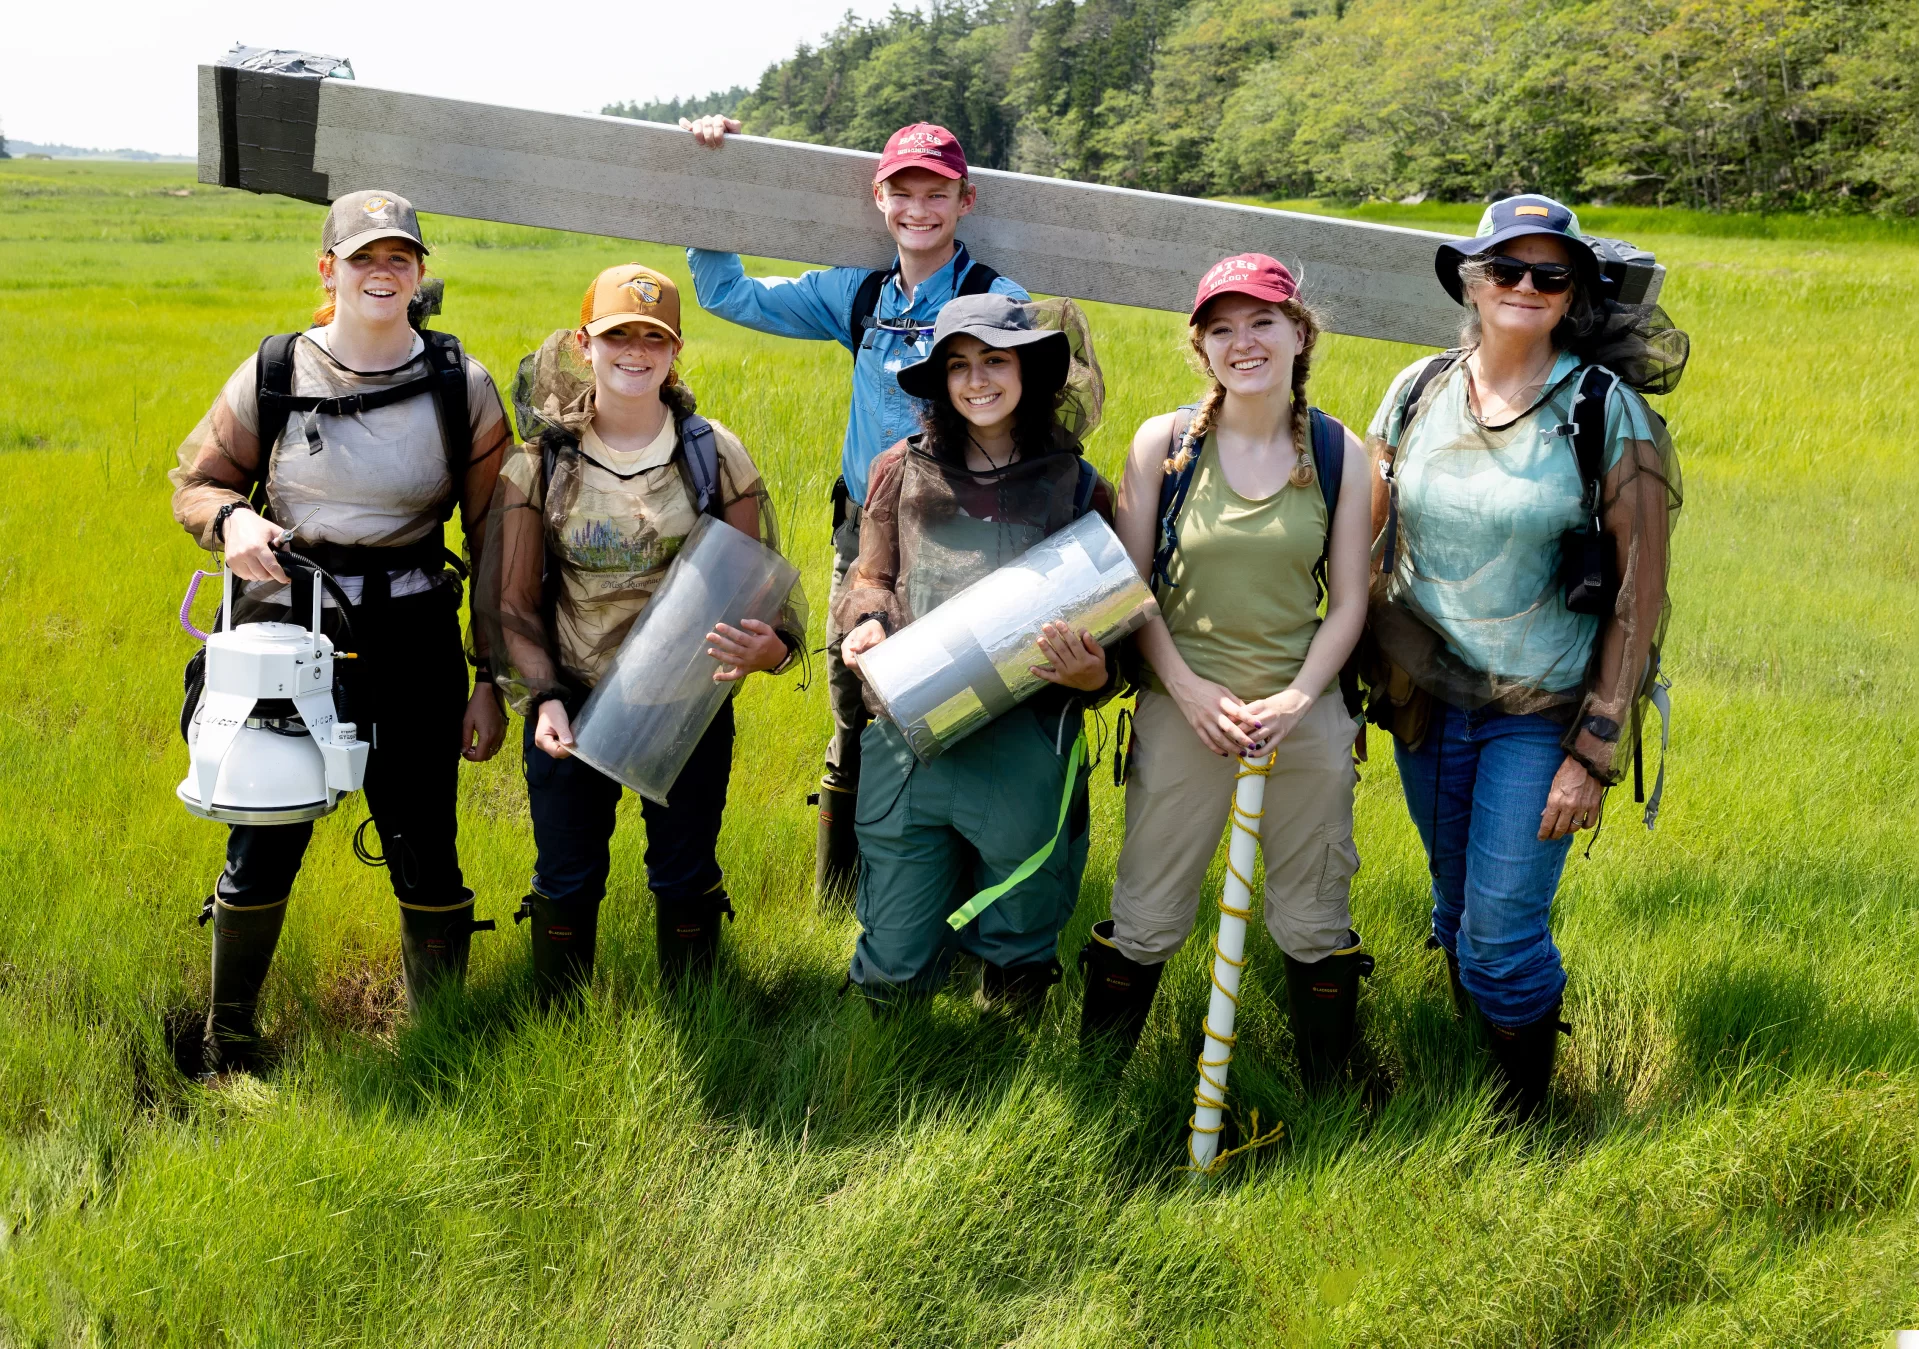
[{"x": 1177, "y": 798}]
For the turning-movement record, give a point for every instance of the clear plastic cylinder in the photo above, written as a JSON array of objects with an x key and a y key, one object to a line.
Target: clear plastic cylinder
[
  {"x": 642, "y": 720},
  {"x": 969, "y": 660}
]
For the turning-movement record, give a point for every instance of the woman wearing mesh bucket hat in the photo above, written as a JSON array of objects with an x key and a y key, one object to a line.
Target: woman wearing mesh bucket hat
[
  {"x": 1009, "y": 390},
  {"x": 588, "y": 517},
  {"x": 1244, "y": 510},
  {"x": 1523, "y": 505},
  {"x": 352, "y": 443}
]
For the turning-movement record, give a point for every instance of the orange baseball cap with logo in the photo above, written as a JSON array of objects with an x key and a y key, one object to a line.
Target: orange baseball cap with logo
[{"x": 631, "y": 293}]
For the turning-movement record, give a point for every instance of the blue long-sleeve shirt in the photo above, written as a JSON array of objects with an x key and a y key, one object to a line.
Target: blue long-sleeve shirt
[{"x": 817, "y": 305}]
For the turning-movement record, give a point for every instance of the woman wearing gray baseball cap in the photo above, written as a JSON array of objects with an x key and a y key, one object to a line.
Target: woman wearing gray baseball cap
[
  {"x": 1523, "y": 510},
  {"x": 997, "y": 468},
  {"x": 351, "y": 444}
]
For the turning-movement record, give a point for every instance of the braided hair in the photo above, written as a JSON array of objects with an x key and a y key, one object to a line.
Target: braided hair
[{"x": 1306, "y": 324}]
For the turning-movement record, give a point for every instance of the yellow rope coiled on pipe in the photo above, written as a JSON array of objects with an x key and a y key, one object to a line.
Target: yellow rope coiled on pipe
[{"x": 1248, "y": 822}]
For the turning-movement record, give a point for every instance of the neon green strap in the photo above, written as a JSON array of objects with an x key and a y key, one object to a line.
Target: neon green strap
[{"x": 985, "y": 899}]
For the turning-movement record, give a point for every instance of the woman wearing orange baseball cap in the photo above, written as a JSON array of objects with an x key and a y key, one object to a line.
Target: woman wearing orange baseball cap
[
  {"x": 1242, "y": 508},
  {"x": 589, "y": 514}
]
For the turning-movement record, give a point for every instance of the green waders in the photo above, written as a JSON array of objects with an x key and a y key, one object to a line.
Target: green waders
[{"x": 933, "y": 835}]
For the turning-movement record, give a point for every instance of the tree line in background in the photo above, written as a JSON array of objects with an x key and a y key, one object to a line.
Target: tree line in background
[
  {"x": 671, "y": 110},
  {"x": 1718, "y": 104}
]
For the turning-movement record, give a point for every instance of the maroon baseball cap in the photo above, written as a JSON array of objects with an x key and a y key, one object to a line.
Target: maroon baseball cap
[
  {"x": 922, "y": 146},
  {"x": 1252, "y": 274}
]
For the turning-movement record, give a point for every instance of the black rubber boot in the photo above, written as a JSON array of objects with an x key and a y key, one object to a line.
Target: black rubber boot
[
  {"x": 1018, "y": 990},
  {"x": 1525, "y": 1056},
  {"x": 836, "y": 865},
  {"x": 687, "y": 932},
  {"x": 1119, "y": 995},
  {"x": 243, "y": 942},
  {"x": 1462, "y": 1000},
  {"x": 1323, "y": 998},
  {"x": 434, "y": 942},
  {"x": 563, "y": 937}
]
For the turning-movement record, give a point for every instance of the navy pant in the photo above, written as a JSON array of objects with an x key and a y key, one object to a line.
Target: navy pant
[
  {"x": 573, "y": 805},
  {"x": 1476, "y": 790},
  {"x": 407, "y": 692}
]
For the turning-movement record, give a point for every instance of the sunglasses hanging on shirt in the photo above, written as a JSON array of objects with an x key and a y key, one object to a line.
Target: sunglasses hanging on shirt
[{"x": 916, "y": 332}]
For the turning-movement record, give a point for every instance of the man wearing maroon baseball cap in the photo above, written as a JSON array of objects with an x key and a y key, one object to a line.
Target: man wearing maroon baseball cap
[{"x": 922, "y": 189}]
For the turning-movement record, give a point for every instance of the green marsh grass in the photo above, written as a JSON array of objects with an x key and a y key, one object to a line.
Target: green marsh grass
[{"x": 1738, "y": 1153}]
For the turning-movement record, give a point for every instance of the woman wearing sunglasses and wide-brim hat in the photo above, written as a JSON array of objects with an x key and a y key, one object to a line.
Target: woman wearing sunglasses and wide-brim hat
[{"x": 1522, "y": 511}]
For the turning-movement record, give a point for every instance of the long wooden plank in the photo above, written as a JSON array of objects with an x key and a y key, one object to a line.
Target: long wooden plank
[{"x": 785, "y": 199}]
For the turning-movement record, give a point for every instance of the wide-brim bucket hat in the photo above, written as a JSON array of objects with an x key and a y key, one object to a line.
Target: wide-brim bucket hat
[
  {"x": 1514, "y": 218},
  {"x": 1000, "y": 322}
]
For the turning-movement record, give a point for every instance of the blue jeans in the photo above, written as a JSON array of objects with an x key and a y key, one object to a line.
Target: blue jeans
[
  {"x": 573, "y": 805},
  {"x": 1476, "y": 790}
]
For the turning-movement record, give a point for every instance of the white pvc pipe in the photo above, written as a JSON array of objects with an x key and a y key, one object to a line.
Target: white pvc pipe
[{"x": 1229, "y": 959}]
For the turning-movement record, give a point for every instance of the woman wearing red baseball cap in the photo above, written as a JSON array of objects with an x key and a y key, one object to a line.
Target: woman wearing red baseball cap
[{"x": 1242, "y": 508}]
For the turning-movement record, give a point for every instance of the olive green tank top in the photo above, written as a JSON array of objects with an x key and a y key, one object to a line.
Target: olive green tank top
[{"x": 1243, "y": 606}]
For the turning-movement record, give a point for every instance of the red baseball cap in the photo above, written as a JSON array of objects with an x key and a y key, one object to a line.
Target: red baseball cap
[
  {"x": 922, "y": 146},
  {"x": 1252, "y": 274}
]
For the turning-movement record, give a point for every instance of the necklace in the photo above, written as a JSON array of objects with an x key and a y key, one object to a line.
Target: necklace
[
  {"x": 991, "y": 463},
  {"x": 1537, "y": 378}
]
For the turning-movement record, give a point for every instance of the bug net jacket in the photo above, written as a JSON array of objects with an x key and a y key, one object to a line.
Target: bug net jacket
[
  {"x": 1470, "y": 603},
  {"x": 580, "y": 542},
  {"x": 932, "y": 528}
]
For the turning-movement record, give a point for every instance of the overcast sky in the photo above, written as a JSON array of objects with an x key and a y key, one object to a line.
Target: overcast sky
[{"x": 120, "y": 73}]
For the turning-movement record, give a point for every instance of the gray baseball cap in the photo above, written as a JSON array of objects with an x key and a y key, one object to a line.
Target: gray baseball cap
[
  {"x": 359, "y": 218},
  {"x": 998, "y": 321}
]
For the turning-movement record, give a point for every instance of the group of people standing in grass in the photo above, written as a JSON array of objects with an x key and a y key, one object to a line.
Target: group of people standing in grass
[{"x": 1269, "y": 531}]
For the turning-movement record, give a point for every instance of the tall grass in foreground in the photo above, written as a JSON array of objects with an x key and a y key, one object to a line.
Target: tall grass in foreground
[{"x": 764, "y": 1165}]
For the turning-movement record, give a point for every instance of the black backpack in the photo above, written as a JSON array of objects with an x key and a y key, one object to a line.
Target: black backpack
[
  {"x": 976, "y": 280},
  {"x": 275, "y": 403},
  {"x": 1329, "y": 467}
]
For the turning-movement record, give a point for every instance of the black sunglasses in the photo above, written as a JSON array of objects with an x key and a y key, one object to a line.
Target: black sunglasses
[{"x": 1549, "y": 278}]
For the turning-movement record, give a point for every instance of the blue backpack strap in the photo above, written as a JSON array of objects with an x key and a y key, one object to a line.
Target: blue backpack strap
[
  {"x": 1084, "y": 488},
  {"x": 1172, "y": 498},
  {"x": 699, "y": 451},
  {"x": 1329, "y": 466}
]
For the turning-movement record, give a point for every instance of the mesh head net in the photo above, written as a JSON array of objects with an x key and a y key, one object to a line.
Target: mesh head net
[
  {"x": 1084, "y": 394},
  {"x": 576, "y": 549},
  {"x": 1639, "y": 343},
  {"x": 1456, "y": 613}
]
